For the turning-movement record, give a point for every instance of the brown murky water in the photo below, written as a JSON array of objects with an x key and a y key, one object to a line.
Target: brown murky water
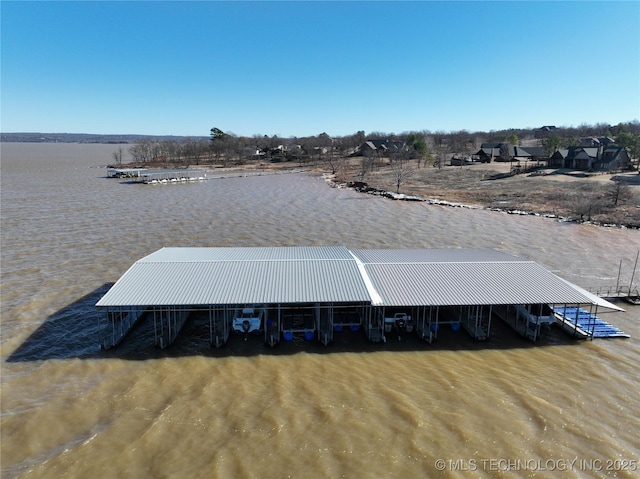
[{"x": 453, "y": 409}]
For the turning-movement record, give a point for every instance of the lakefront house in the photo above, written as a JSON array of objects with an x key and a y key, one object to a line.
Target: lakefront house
[{"x": 596, "y": 158}]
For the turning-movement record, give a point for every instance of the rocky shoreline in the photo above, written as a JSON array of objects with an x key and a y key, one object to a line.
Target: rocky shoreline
[{"x": 361, "y": 187}]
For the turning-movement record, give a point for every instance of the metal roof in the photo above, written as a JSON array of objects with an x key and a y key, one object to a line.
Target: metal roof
[
  {"x": 285, "y": 253},
  {"x": 397, "y": 256},
  {"x": 202, "y": 276},
  {"x": 469, "y": 284},
  {"x": 453, "y": 277},
  {"x": 217, "y": 276}
]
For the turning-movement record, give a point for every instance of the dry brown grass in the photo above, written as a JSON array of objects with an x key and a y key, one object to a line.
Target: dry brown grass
[{"x": 561, "y": 193}]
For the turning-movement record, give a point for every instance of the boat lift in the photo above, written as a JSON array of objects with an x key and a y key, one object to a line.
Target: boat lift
[{"x": 526, "y": 319}]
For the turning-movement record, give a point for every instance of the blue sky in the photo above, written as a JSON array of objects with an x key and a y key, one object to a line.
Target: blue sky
[{"x": 303, "y": 68}]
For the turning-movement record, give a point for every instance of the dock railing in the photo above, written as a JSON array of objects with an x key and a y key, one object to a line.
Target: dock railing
[{"x": 615, "y": 292}]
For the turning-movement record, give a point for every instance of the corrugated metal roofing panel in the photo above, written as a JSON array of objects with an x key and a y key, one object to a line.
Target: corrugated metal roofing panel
[
  {"x": 286, "y": 253},
  {"x": 228, "y": 282},
  {"x": 470, "y": 284},
  {"x": 202, "y": 276},
  {"x": 431, "y": 255}
]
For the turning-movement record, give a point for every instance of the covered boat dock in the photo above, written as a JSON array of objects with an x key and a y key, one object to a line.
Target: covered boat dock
[
  {"x": 126, "y": 172},
  {"x": 146, "y": 176},
  {"x": 315, "y": 292},
  {"x": 152, "y": 177}
]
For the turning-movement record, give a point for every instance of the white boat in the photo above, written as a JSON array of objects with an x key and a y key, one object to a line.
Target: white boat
[{"x": 248, "y": 321}]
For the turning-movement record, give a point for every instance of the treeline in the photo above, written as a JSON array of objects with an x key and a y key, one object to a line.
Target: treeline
[{"x": 225, "y": 148}]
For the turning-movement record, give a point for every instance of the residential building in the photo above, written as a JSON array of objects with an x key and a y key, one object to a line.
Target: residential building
[{"x": 592, "y": 158}]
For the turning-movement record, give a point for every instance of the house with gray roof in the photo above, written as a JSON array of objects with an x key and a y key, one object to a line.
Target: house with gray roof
[
  {"x": 530, "y": 153},
  {"x": 613, "y": 158},
  {"x": 545, "y": 131},
  {"x": 595, "y": 158},
  {"x": 593, "y": 141},
  {"x": 381, "y": 147},
  {"x": 557, "y": 159},
  {"x": 489, "y": 152}
]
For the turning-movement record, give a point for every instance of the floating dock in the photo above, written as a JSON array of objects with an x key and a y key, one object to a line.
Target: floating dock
[{"x": 583, "y": 324}]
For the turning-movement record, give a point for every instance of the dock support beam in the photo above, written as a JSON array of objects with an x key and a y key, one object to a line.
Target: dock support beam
[
  {"x": 118, "y": 324},
  {"x": 219, "y": 327},
  {"x": 167, "y": 323}
]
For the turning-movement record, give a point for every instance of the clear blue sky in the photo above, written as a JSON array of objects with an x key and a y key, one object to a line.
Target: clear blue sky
[{"x": 303, "y": 68}]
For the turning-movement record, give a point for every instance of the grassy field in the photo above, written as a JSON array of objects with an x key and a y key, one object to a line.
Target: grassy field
[{"x": 564, "y": 193}]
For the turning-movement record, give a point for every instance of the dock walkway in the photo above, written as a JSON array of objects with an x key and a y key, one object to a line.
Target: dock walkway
[
  {"x": 625, "y": 293},
  {"x": 581, "y": 323}
]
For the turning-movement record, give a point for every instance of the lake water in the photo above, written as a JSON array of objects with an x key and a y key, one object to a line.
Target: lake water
[{"x": 560, "y": 408}]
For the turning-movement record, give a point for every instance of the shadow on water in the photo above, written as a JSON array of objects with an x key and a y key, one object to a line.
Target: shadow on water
[
  {"x": 74, "y": 332},
  {"x": 71, "y": 332}
]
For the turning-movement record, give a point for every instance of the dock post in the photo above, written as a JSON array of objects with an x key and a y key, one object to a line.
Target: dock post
[
  {"x": 210, "y": 327},
  {"x": 118, "y": 323},
  {"x": 633, "y": 273},
  {"x": 489, "y": 323}
]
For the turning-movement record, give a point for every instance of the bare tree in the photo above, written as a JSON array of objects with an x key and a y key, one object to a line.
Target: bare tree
[
  {"x": 442, "y": 148},
  {"x": 237, "y": 147},
  {"x": 194, "y": 150},
  {"x": 325, "y": 142},
  {"x": 156, "y": 151},
  {"x": 618, "y": 192},
  {"x": 366, "y": 165},
  {"x": 588, "y": 203},
  {"x": 352, "y": 142},
  {"x": 117, "y": 156},
  {"x": 170, "y": 151},
  {"x": 402, "y": 171},
  {"x": 326, "y": 150},
  {"x": 141, "y": 151},
  {"x": 201, "y": 151}
]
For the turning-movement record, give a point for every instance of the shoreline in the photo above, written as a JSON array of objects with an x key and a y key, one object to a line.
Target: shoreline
[
  {"x": 364, "y": 188},
  {"x": 446, "y": 190}
]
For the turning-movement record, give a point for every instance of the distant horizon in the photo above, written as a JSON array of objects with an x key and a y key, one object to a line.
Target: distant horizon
[
  {"x": 297, "y": 69},
  {"x": 434, "y": 132}
]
